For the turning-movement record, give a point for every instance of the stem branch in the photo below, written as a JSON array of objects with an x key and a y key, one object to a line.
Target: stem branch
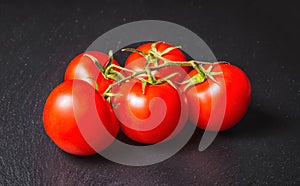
[{"x": 167, "y": 63}]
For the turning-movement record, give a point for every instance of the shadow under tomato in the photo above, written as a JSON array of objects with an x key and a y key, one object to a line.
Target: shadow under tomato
[
  {"x": 123, "y": 138},
  {"x": 259, "y": 123}
]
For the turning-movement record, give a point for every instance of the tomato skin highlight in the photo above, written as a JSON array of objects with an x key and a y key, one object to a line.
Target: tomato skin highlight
[
  {"x": 83, "y": 68},
  {"x": 76, "y": 101},
  {"x": 151, "y": 117},
  {"x": 233, "y": 93},
  {"x": 137, "y": 62}
]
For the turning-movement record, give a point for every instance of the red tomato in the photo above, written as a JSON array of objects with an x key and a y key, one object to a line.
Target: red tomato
[
  {"x": 151, "y": 117},
  {"x": 229, "y": 99},
  {"x": 72, "y": 115},
  {"x": 83, "y": 68},
  {"x": 137, "y": 62}
]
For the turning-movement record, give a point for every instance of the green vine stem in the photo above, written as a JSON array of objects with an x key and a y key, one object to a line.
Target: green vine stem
[
  {"x": 148, "y": 70},
  {"x": 203, "y": 73}
]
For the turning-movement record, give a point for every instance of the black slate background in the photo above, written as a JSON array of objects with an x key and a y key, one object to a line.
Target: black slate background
[{"x": 37, "y": 40}]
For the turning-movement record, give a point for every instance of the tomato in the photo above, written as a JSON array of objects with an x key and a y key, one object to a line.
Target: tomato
[
  {"x": 229, "y": 98},
  {"x": 153, "y": 116},
  {"x": 83, "y": 68},
  {"x": 137, "y": 62},
  {"x": 76, "y": 117}
]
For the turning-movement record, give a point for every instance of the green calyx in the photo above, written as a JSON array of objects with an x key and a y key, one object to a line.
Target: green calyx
[
  {"x": 151, "y": 80},
  {"x": 201, "y": 76},
  {"x": 107, "y": 71},
  {"x": 153, "y": 54},
  {"x": 196, "y": 79},
  {"x": 96, "y": 62}
]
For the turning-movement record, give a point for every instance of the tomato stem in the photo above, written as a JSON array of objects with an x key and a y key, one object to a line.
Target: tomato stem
[
  {"x": 152, "y": 57},
  {"x": 151, "y": 78},
  {"x": 118, "y": 67}
]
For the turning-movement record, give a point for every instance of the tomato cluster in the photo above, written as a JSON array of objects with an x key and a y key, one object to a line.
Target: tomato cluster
[{"x": 150, "y": 99}]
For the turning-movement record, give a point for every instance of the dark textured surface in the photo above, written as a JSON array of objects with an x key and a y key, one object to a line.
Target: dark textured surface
[{"x": 38, "y": 40}]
